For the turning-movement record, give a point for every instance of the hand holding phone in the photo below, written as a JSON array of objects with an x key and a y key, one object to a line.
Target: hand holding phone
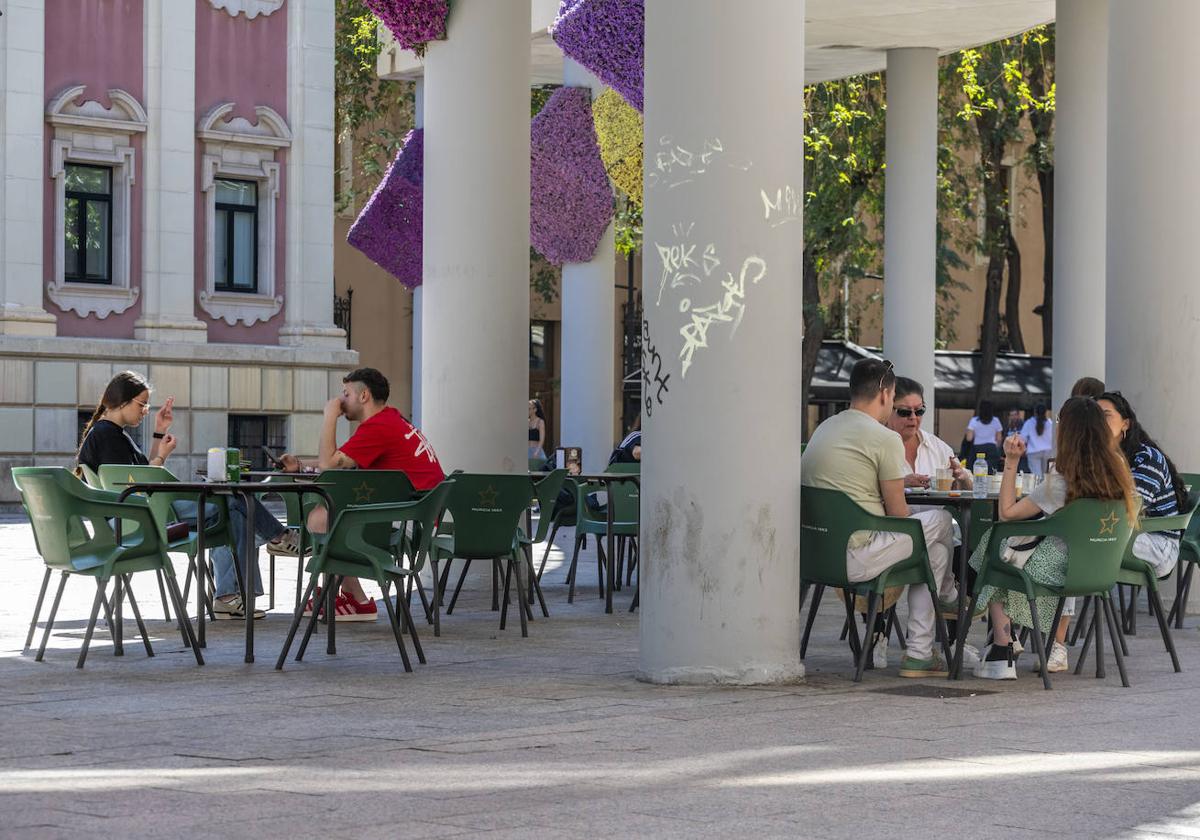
[{"x": 272, "y": 457}]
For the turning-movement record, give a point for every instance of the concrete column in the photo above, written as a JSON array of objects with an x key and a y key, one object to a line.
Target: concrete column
[
  {"x": 721, "y": 343},
  {"x": 1153, "y": 213},
  {"x": 589, "y": 314},
  {"x": 475, "y": 337},
  {"x": 1080, "y": 192},
  {"x": 308, "y": 295},
  {"x": 418, "y": 293},
  {"x": 169, "y": 179},
  {"x": 22, "y": 164},
  {"x": 910, "y": 215}
]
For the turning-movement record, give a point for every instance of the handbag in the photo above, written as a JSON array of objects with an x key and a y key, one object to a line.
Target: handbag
[{"x": 1018, "y": 550}]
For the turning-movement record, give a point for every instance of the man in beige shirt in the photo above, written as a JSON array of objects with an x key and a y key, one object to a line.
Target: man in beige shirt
[{"x": 855, "y": 453}]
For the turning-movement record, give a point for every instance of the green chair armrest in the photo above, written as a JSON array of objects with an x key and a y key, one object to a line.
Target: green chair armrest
[{"x": 1156, "y": 524}]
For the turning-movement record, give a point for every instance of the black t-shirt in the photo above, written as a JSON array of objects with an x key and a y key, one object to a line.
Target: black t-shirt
[{"x": 108, "y": 443}]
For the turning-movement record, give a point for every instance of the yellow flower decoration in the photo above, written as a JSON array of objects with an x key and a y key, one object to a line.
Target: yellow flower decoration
[{"x": 619, "y": 132}]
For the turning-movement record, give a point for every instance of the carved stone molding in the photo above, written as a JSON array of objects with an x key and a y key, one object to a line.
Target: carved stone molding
[{"x": 251, "y": 8}]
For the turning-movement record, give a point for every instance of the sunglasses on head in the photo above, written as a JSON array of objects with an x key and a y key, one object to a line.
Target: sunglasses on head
[
  {"x": 909, "y": 412},
  {"x": 887, "y": 368}
]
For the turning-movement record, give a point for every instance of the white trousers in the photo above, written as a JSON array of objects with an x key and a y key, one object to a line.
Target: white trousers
[
  {"x": 1037, "y": 460},
  {"x": 1159, "y": 550},
  {"x": 885, "y": 549}
]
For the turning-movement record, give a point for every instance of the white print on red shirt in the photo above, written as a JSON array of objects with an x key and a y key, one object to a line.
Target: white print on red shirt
[{"x": 423, "y": 446}]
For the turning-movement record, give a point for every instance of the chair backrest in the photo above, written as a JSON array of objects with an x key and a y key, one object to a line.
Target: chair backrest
[
  {"x": 546, "y": 492},
  {"x": 1189, "y": 545},
  {"x": 89, "y": 476},
  {"x": 487, "y": 510},
  {"x": 536, "y": 464},
  {"x": 1097, "y": 534},
  {"x": 347, "y": 488},
  {"x": 983, "y": 516},
  {"x": 350, "y": 535},
  {"x": 116, "y": 476},
  {"x": 632, "y": 467},
  {"x": 625, "y": 497},
  {"x": 58, "y": 502},
  {"x": 827, "y": 519}
]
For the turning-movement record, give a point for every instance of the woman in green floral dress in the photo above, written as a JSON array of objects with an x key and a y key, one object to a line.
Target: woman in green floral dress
[{"x": 1089, "y": 466}]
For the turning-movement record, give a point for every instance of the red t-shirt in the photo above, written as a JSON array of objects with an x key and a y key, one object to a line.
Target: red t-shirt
[{"x": 389, "y": 442}]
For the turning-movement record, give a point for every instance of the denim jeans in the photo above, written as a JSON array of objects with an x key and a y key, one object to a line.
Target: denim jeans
[{"x": 266, "y": 527}]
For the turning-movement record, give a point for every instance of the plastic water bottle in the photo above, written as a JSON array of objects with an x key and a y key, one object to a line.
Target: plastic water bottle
[{"x": 980, "y": 471}]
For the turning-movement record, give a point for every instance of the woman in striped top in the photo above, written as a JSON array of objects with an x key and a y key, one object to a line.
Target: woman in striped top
[{"x": 1157, "y": 481}]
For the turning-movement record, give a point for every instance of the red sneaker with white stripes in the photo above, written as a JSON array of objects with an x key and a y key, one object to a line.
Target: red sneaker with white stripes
[{"x": 348, "y": 609}]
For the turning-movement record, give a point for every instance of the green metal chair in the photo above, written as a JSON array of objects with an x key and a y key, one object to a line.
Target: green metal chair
[
  {"x": 487, "y": 511},
  {"x": 624, "y": 496},
  {"x": 1097, "y": 535},
  {"x": 536, "y": 464},
  {"x": 115, "y": 477},
  {"x": 76, "y": 535},
  {"x": 827, "y": 520},
  {"x": 558, "y": 517},
  {"x": 545, "y": 492},
  {"x": 55, "y": 498},
  {"x": 1137, "y": 573},
  {"x": 1189, "y": 558},
  {"x": 359, "y": 544}
]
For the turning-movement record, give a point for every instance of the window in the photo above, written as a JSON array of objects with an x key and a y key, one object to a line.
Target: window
[
  {"x": 237, "y": 236},
  {"x": 87, "y": 229},
  {"x": 537, "y": 347},
  {"x": 250, "y": 432}
]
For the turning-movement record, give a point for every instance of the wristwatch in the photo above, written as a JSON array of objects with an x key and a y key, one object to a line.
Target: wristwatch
[{"x": 159, "y": 435}]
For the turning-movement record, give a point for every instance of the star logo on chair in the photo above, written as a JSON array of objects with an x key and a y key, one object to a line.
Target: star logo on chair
[
  {"x": 1108, "y": 524},
  {"x": 363, "y": 494},
  {"x": 487, "y": 498}
]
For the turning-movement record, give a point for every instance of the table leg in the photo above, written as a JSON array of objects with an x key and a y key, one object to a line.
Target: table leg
[
  {"x": 201, "y": 575},
  {"x": 249, "y": 551},
  {"x": 610, "y": 563},
  {"x": 964, "y": 599}
]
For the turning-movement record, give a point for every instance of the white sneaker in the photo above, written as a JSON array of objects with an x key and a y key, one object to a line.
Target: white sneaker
[
  {"x": 288, "y": 545},
  {"x": 233, "y": 609},
  {"x": 1056, "y": 662},
  {"x": 998, "y": 669},
  {"x": 1018, "y": 648},
  {"x": 879, "y": 652},
  {"x": 970, "y": 656}
]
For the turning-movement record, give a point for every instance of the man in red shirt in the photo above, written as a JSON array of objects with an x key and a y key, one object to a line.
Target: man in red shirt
[{"x": 384, "y": 440}]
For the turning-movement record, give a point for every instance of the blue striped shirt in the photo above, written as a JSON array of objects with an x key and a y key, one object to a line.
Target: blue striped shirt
[{"x": 1153, "y": 480}]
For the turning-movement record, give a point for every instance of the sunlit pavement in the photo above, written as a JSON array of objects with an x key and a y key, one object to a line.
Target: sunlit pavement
[{"x": 553, "y": 736}]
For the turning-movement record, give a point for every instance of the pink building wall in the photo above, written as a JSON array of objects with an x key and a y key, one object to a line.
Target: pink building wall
[
  {"x": 242, "y": 61},
  {"x": 97, "y": 43}
]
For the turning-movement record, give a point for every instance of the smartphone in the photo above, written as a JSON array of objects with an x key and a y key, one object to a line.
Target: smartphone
[{"x": 272, "y": 457}]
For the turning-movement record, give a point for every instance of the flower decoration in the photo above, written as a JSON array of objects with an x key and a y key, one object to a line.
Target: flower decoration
[
  {"x": 413, "y": 23},
  {"x": 607, "y": 37},
  {"x": 570, "y": 200},
  {"x": 389, "y": 229},
  {"x": 619, "y": 130}
]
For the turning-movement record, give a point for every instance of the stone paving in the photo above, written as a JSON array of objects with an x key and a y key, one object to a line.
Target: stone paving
[{"x": 500, "y": 736}]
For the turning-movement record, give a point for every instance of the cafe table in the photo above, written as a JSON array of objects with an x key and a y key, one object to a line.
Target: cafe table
[
  {"x": 961, "y": 500},
  {"x": 247, "y": 491},
  {"x": 607, "y": 479}
]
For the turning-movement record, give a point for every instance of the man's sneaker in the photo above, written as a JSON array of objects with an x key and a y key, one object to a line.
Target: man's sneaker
[
  {"x": 308, "y": 608},
  {"x": 970, "y": 656},
  {"x": 1056, "y": 662},
  {"x": 348, "y": 609},
  {"x": 879, "y": 652},
  {"x": 1004, "y": 668},
  {"x": 287, "y": 545},
  {"x": 931, "y": 667},
  {"x": 233, "y": 608}
]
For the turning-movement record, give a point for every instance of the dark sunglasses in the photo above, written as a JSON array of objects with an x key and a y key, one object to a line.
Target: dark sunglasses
[{"x": 909, "y": 412}]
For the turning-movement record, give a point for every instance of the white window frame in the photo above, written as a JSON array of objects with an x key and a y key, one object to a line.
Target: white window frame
[
  {"x": 234, "y": 148},
  {"x": 87, "y": 133}
]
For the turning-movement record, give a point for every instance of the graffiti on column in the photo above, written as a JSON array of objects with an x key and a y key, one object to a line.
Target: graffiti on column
[
  {"x": 728, "y": 310},
  {"x": 786, "y": 206},
  {"x": 673, "y": 165},
  {"x": 681, "y": 264},
  {"x": 652, "y": 373}
]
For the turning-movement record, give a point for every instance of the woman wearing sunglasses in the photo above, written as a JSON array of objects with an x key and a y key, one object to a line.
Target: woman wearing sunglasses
[{"x": 924, "y": 453}]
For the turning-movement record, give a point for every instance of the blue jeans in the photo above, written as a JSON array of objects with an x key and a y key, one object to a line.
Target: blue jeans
[{"x": 266, "y": 527}]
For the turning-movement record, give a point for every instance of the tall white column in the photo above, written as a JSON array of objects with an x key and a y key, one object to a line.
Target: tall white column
[
  {"x": 910, "y": 215},
  {"x": 22, "y": 164},
  {"x": 723, "y": 244},
  {"x": 418, "y": 294},
  {"x": 589, "y": 315},
  {"x": 475, "y": 337},
  {"x": 308, "y": 299},
  {"x": 1080, "y": 192},
  {"x": 169, "y": 178}
]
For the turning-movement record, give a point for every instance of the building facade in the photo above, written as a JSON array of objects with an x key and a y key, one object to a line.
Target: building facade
[{"x": 168, "y": 208}]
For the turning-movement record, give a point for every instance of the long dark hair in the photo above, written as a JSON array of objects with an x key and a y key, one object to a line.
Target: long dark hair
[
  {"x": 985, "y": 412},
  {"x": 1039, "y": 412},
  {"x": 1089, "y": 459},
  {"x": 123, "y": 388},
  {"x": 1137, "y": 437},
  {"x": 537, "y": 409}
]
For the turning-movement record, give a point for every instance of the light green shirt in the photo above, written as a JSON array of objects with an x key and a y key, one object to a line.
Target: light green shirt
[{"x": 853, "y": 452}]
